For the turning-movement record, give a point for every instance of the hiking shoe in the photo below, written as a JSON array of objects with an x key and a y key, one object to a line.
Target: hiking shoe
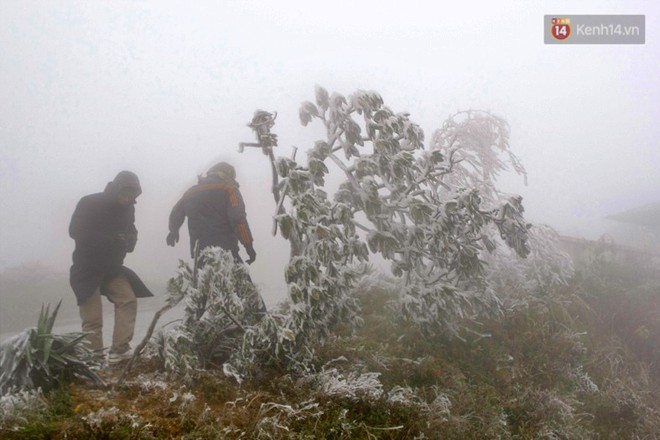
[{"x": 115, "y": 358}]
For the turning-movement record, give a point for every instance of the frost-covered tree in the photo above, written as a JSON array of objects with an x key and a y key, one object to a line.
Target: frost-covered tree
[
  {"x": 432, "y": 213},
  {"x": 545, "y": 268},
  {"x": 478, "y": 142}
]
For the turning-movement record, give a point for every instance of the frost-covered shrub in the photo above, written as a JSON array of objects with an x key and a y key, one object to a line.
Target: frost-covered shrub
[
  {"x": 478, "y": 145},
  {"x": 274, "y": 418},
  {"x": 224, "y": 320},
  {"x": 113, "y": 423},
  {"x": 351, "y": 385},
  {"x": 220, "y": 303},
  {"x": 37, "y": 358},
  {"x": 582, "y": 381},
  {"x": 544, "y": 269},
  {"x": 545, "y": 414},
  {"x": 16, "y": 407},
  {"x": 287, "y": 341}
]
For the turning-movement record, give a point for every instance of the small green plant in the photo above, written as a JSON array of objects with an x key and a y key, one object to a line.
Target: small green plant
[{"x": 37, "y": 358}]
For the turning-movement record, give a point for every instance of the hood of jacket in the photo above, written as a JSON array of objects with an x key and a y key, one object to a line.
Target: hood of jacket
[
  {"x": 215, "y": 178},
  {"x": 124, "y": 181}
]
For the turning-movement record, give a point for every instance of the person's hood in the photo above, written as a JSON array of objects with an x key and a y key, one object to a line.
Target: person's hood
[
  {"x": 223, "y": 171},
  {"x": 217, "y": 178},
  {"x": 125, "y": 180}
]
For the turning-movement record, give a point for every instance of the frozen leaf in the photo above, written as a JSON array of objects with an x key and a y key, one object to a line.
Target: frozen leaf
[{"x": 322, "y": 98}]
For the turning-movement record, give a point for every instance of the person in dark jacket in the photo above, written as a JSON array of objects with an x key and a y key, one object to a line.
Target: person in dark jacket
[
  {"x": 216, "y": 214},
  {"x": 103, "y": 227}
]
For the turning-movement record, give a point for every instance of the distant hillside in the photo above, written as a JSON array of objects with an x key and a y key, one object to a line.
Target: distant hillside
[{"x": 25, "y": 288}]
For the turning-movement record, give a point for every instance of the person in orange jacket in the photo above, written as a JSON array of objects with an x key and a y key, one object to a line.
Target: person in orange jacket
[{"x": 216, "y": 214}]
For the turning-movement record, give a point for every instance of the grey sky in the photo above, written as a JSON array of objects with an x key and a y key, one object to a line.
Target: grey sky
[{"x": 165, "y": 89}]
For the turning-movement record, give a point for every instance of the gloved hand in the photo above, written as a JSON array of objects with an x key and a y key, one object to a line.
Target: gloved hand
[
  {"x": 125, "y": 241},
  {"x": 172, "y": 238},
  {"x": 251, "y": 253}
]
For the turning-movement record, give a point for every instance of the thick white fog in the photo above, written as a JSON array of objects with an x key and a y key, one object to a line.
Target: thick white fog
[{"x": 165, "y": 89}]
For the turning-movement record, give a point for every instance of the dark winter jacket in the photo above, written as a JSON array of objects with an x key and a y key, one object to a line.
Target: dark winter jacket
[
  {"x": 104, "y": 232},
  {"x": 216, "y": 215}
]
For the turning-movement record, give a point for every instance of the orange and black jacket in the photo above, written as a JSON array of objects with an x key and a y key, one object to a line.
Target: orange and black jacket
[{"x": 216, "y": 215}]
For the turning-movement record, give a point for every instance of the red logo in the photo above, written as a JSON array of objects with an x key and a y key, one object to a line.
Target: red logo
[{"x": 560, "y": 28}]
